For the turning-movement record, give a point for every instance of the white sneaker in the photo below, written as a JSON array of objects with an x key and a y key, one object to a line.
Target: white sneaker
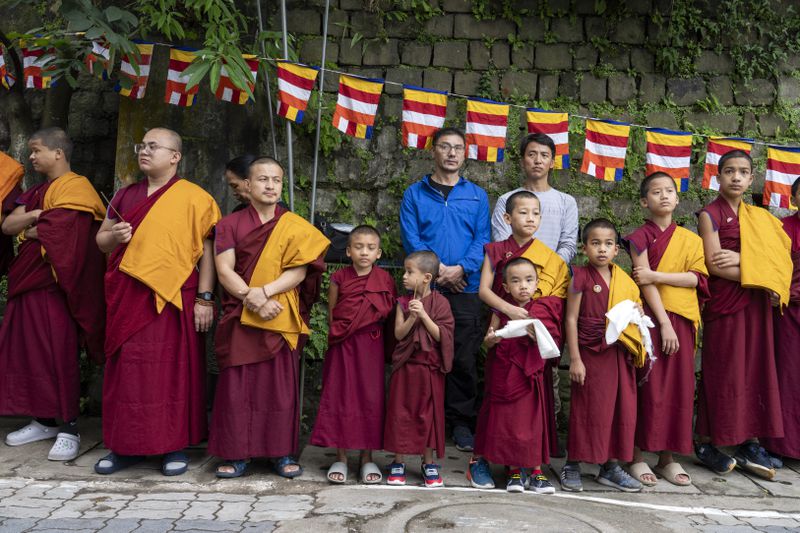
[
  {"x": 65, "y": 448},
  {"x": 31, "y": 433}
]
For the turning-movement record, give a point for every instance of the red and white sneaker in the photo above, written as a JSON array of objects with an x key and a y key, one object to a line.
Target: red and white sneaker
[
  {"x": 397, "y": 474},
  {"x": 432, "y": 476}
]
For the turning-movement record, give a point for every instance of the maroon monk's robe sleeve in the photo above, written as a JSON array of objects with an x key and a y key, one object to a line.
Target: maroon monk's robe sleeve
[
  {"x": 68, "y": 237},
  {"x": 442, "y": 315}
]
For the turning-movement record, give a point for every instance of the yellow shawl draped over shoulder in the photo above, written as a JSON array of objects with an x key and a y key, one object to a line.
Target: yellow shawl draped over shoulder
[
  {"x": 684, "y": 253},
  {"x": 622, "y": 287},
  {"x": 766, "y": 257},
  {"x": 72, "y": 191},
  {"x": 292, "y": 243},
  {"x": 552, "y": 270},
  {"x": 169, "y": 241}
]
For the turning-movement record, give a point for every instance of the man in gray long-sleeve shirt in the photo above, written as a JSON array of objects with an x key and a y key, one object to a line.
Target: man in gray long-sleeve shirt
[{"x": 559, "y": 226}]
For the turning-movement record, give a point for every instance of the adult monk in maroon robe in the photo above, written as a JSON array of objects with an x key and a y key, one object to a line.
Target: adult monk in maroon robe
[
  {"x": 351, "y": 409},
  {"x": 787, "y": 344},
  {"x": 269, "y": 262},
  {"x": 11, "y": 173},
  {"x": 158, "y": 290},
  {"x": 55, "y": 303}
]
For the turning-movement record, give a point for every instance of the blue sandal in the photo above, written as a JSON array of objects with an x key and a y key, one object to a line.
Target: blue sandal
[
  {"x": 115, "y": 463},
  {"x": 239, "y": 468},
  {"x": 280, "y": 465},
  {"x": 174, "y": 457}
]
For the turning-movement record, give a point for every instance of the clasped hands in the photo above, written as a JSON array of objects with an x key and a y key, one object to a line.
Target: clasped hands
[{"x": 255, "y": 299}]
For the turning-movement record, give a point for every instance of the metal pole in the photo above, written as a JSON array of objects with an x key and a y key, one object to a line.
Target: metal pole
[
  {"x": 289, "y": 155},
  {"x": 319, "y": 111},
  {"x": 266, "y": 82}
]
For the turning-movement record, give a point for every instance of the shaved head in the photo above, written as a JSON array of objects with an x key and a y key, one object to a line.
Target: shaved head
[
  {"x": 54, "y": 139},
  {"x": 175, "y": 139}
]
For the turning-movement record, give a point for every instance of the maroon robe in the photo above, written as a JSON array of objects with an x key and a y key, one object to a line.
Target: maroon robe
[
  {"x": 351, "y": 408},
  {"x": 256, "y": 400},
  {"x": 499, "y": 254},
  {"x": 512, "y": 423},
  {"x": 738, "y": 396},
  {"x": 415, "y": 410},
  {"x": 602, "y": 415},
  {"x": 47, "y": 321},
  {"x": 9, "y": 203},
  {"x": 666, "y": 394},
  {"x": 787, "y": 348},
  {"x": 154, "y": 384}
]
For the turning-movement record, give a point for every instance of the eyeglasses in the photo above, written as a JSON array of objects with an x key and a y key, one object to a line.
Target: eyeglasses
[
  {"x": 149, "y": 148},
  {"x": 446, "y": 147}
]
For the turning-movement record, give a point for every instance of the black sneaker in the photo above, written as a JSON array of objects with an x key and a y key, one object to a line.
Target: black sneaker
[
  {"x": 463, "y": 439},
  {"x": 714, "y": 459},
  {"x": 752, "y": 457}
]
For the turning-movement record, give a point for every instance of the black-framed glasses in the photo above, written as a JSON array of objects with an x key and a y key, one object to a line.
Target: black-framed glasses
[{"x": 149, "y": 148}]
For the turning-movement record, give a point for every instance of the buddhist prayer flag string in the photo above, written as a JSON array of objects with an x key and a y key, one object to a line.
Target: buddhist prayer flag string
[
  {"x": 357, "y": 106},
  {"x": 424, "y": 111},
  {"x": 783, "y": 167},
  {"x": 669, "y": 152},
  {"x": 716, "y": 148},
  {"x": 101, "y": 55},
  {"x": 606, "y": 146},
  {"x": 35, "y": 62},
  {"x": 555, "y": 125},
  {"x": 138, "y": 79},
  {"x": 6, "y": 78},
  {"x": 228, "y": 92},
  {"x": 295, "y": 83},
  {"x": 176, "y": 92},
  {"x": 487, "y": 122}
]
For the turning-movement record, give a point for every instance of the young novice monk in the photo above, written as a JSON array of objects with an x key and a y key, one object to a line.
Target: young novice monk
[
  {"x": 423, "y": 355},
  {"x": 602, "y": 417},
  {"x": 350, "y": 416},
  {"x": 511, "y": 424},
  {"x": 748, "y": 256},
  {"x": 523, "y": 214},
  {"x": 670, "y": 269},
  {"x": 787, "y": 341}
]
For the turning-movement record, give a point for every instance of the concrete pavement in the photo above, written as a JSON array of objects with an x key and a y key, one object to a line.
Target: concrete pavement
[{"x": 40, "y": 495}]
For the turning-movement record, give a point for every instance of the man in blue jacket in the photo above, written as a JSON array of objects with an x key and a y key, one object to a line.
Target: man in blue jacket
[{"x": 449, "y": 215}]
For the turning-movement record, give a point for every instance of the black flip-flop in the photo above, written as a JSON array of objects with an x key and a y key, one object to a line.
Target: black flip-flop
[
  {"x": 239, "y": 468},
  {"x": 280, "y": 465},
  {"x": 118, "y": 462}
]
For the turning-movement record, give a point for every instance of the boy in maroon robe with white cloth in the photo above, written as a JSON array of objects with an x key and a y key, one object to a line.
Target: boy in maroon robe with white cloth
[
  {"x": 350, "y": 416},
  {"x": 424, "y": 354}
]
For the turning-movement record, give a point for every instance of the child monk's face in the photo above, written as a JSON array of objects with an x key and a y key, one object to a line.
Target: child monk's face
[
  {"x": 601, "y": 246},
  {"x": 662, "y": 196},
  {"x": 524, "y": 218},
  {"x": 364, "y": 249},
  {"x": 521, "y": 281},
  {"x": 735, "y": 177},
  {"x": 415, "y": 279}
]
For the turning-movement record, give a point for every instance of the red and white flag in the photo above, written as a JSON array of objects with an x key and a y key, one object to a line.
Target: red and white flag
[
  {"x": 99, "y": 55},
  {"x": 606, "y": 147},
  {"x": 783, "y": 168},
  {"x": 35, "y": 63},
  {"x": 138, "y": 79},
  {"x": 487, "y": 122},
  {"x": 357, "y": 106},
  {"x": 424, "y": 111},
  {"x": 6, "y": 78},
  {"x": 228, "y": 92},
  {"x": 176, "y": 92},
  {"x": 717, "y": 147},
  {"x": 295, "y": 83}
]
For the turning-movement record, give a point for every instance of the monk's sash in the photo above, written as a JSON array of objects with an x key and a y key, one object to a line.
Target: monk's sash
[
  {"x": 72, "y": 191},
  {"x": 622, "y": 287},
  {"x": 552, "y": 270},
  {"x": 169, "y": 241},
  {"x": 765, "y": 259},
  {"x": 292, "y": 243},
  {"x": 684, "y": 253},
  {"x": 11, "y": 172}
]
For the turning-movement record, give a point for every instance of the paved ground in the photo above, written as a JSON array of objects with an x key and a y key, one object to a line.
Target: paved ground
[{"x": 38, "y": 495}]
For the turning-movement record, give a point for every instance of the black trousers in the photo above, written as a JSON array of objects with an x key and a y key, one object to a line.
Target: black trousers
[{"x": 461, "y": 388}]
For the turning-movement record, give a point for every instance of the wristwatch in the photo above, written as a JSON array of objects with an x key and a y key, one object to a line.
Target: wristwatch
[{"x": 206, "y": 296}]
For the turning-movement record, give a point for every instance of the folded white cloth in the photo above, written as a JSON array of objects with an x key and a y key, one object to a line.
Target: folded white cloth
[
  {"x": 518, "y": 328},
  {"x": 624, "y": 313}
]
